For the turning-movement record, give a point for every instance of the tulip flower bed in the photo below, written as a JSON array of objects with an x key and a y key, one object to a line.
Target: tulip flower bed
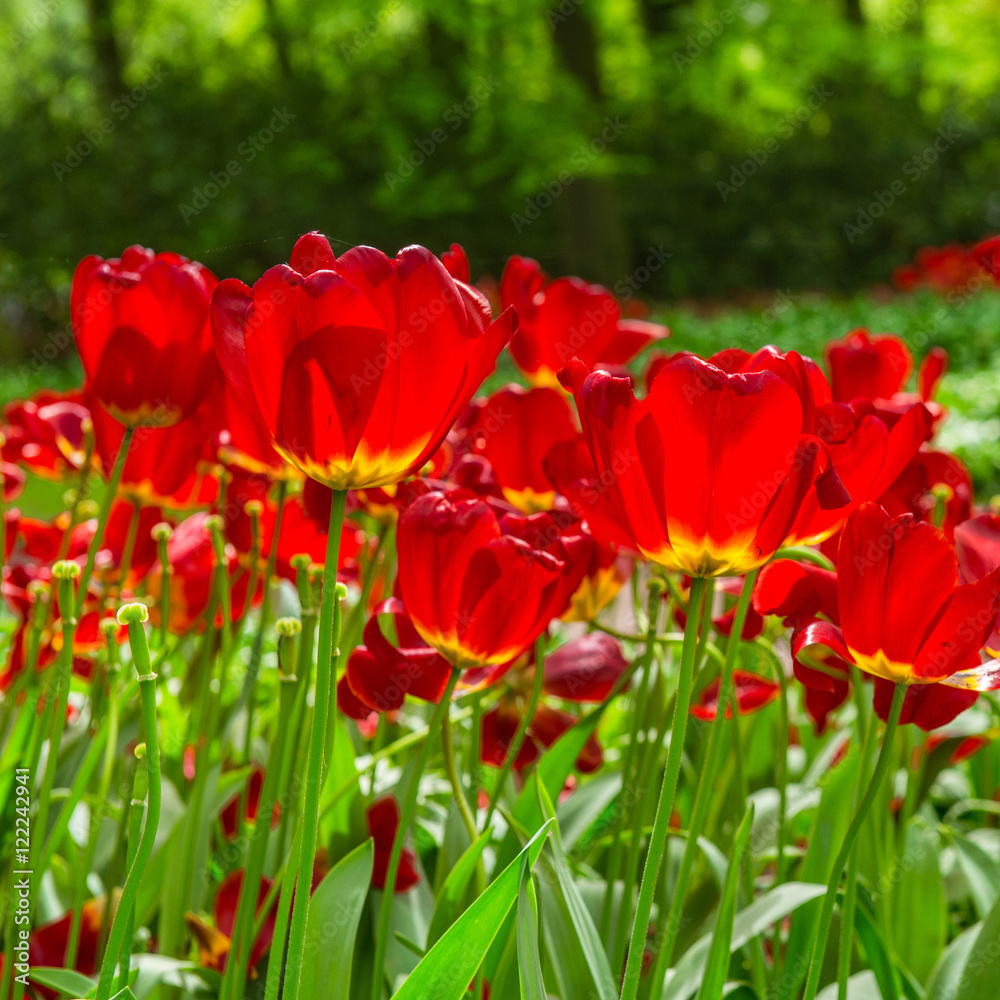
[{"x": 349, "y": 670}]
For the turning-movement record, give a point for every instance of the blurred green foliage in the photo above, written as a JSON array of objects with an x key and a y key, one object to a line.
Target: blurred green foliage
[{"x": 740, "y": 135}]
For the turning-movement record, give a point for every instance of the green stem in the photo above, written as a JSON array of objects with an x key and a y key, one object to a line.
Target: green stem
[
  {"x": 628, "y": 792},
  {"x": 665, "y": 804},
  {"x": 110, "y": 752},
  {"x": 318, "y": 744},
  {"x": 707, "y": 788},
  {"x": 651, "y": 760},
  {"x": 851, "y": 886},
  {"x": 522, "y": 730},
  {"x": 405, "y": 819},
  {"x": 102, "y": 517},
  {"x": 276, "y": 959},
  {"x": 64, "y": 572},
  {"x": 234, "y": 979},
  {"x": 136, "y": 818},
  {"x": 464, "y": 810},
  {"x": 147, "y": 688},
  {"x": 826, "y": 914}
]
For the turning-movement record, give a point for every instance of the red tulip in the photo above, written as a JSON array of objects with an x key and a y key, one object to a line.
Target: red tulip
[
  {"x": 515, "y": 428},
  {"x": 567, "y": 318},
  {"x": 165, "y": 465},
  {"x": 456, "y": 263},
  {"x": 905, "y": 618},
  {"x": 141, "y": 327},
  {"x": 606, "y": 573},
  {"x": 987, "y": 254},
  {"x": 500, "y": 726},
  {"x": 215, "y": 940},
  {"x": 380, "y": 675},
  {"x": 47, "y": 944},
  {"x": 752, "y": 692},
  {"x": 869, "y": 455},
  {"x": 50, "y": 434},
  {"x": 935, "y": 486},
  {"x": 708, "y": 472},
  {"x": 359, "y": 366},
  {"x": 382, "y": 818},
  {"x": 481, "y": 588},
  {"x": 866, "y": 366}
]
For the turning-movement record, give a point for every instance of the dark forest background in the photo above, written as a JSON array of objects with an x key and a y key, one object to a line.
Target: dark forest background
[{"x": 787, "y": 144}]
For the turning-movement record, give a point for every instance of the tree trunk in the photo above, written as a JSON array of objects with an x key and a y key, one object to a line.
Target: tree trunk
[
  {"x": 107, "y": 56},
  {"x": 592, "y": 229}
]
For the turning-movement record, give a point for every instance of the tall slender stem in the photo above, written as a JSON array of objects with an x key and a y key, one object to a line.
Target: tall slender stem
[
  {"x": 665, "y": 805},
  {"x": 464, "y": 809},
  {"x": 133, "y": 615},
  {"x": 706, "y": 789},
  {"x": 234, "y": 978},
  {"x": 405, "y": 818},
  {"x": 317, "y": 746},
  {"x": 826, "y": 914},
  {"x": 851, "y": 886},
  {"x": 639, "y": 703}
]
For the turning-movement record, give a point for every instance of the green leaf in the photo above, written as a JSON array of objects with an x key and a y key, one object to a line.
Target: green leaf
[
  {"x": 332, "y": 925},
  {"x": 861, "y": 986},
  {"x": 764, "y": 911},
  {"x": 946, "y": 975},
  {"x": 448, "y": 906},
  {"x": 980, "y": 870},
  {"x": 826, "y": 836},
  {"x": 717, "y": 962},
  {"x": 66, "y": 981},
  {"x": 529, "y": 964},
  {"x": 125, "y": 994},
  {"x": 875, "y": 949},
  {"x": 919, "y": 914},
  {"x": 979, "y": 974},
  {"x": 446, "y": 971},
  {"x": 553, "y": 768},
  {"x": 585, "y": 806},
  {"x": 575, "y": 948}
]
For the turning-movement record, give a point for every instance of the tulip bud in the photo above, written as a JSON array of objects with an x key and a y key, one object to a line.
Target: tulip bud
[{"x": 133, "y": 613}]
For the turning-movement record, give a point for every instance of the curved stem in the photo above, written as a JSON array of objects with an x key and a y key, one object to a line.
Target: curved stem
[
  {"x": 826, "y": 914},
  {"x": 706, "y": 789},
  {"x": 464, "y": 810},
  {"x": 405, "y": 818},
  {"x": 522, "y": 730},
  {"x": 123, "y": 917},
  {"x": 317, "y": 746},
  {"x": 665, "y": 805},
  {"x": 281, "y": 918}
]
